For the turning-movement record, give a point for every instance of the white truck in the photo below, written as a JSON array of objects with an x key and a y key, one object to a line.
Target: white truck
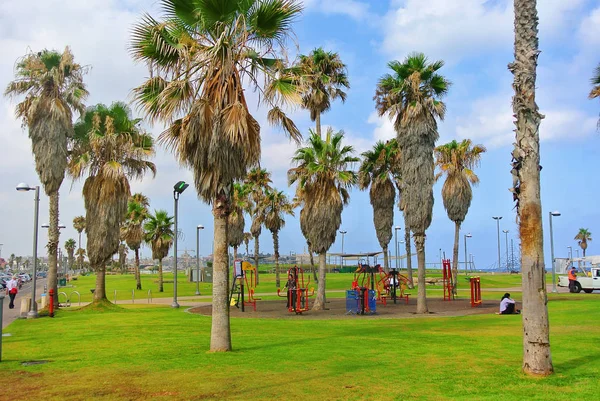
[{"x": 587, "y": 282}]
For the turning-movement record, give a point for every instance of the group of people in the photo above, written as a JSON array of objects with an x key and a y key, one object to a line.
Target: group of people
[{"x": 12, "y": 288}]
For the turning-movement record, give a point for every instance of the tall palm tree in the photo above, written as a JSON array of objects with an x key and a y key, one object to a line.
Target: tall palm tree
[
  {"x": 323, "y": 175},
  {"x": 18, "y": 260},
  {"x": 275, "y": 206},
  {"x": 537, "y": 359},
  {"x": 159, "y": 234},
  {"x": 110, "y": 148},
  {"x": 202, "y": 56},
  {"x": 325, "y": 78},
  {"x": 79, "y": 226},
  {"x": 377, "y": 171},
  {"x": 595, "y": 92},
  {"x": 239, "y": 202},
  {"x": 582, "y": 237},
  {"x": 410, "y": 96},
  {"x": 52, "y": 83},
  {"x": 123, "y": 257},
  {"x": 131, "y": 230},
  {"x": 11, "y": 260},
  {"x": 456, "y": 161},
  {"x": 80, "y": 257},
  {"x": 247, "y": 238},
  {"x": 70, "y": 246},
  {"x": 258, "y": 181}
]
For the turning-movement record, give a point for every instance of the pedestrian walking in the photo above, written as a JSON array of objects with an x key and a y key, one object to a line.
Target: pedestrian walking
[{"x": 12, "y": 287}]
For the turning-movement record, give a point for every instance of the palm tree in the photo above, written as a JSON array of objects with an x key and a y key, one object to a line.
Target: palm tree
[
  {"x": 239, "y": 202},
  {"x": 325, "y": 78},
  {"x": 11, "y": 260},
  {"x": 18, "y": 260},
  {"x": 131, "y": 230},
  {"x": 377, "y": 170},
  {"x": 53, "y": 87},
  {"x": 323, "y": 178},
  {"x": 258, "y": 181},
  {"x": 582, "y": 237},
  {"x": 203, "y": 55},
  {"x": 275, "y": 206},
  {"x": 159, "y": 234},
  {"x": 79, "y": 226},
  {"x": 70, "y": 246},
  {"x": 111, "y": 149},
  {"x": 410, "y": 96},
  {"x": 537, "y": 359},
  {"x": 80, "y": 257},
  {"x": 595, "y": 92},
  {"x": 123, "y": 257},
  {"x": 457, "y": 161},
  {"x": 247, "y": 238}
]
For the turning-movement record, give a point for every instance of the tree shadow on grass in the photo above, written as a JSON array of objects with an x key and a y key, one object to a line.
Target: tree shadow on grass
[{"x": 576, "y": 363}]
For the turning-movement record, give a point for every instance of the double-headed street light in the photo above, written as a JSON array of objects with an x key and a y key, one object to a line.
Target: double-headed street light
[
  {"x": 466, "y": 261},
  {"x": 550, "y": 215},
  {"x": 396, "y": 240},
  {"x": 177, "y": 190},
  {"x": 498, "y": 218},
  {"x": 200, "y": 227},
  {"x": 22, "y": 187}
]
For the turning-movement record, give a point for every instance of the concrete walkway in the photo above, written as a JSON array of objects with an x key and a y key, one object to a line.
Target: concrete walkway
[{"x": 9, "y": 315}]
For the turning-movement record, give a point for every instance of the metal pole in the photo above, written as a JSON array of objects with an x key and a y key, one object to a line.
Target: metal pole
[
  {"x": 396, "y": 241},
  {"x": 1, "y": 317},
  {"x": 197, "y": 260},
  {"x": 32, "y": 314},
  {"x": 512, "y": 253},
  {"x": 175, "y": 304},
  {"x": 498, "y": 226},
  {"x": 506, "y": 240},
  {"x": 554, "y": 289},
  {"x": 466, "y": 261}
]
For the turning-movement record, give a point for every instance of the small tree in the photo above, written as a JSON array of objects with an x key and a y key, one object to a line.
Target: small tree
[
  {"x": 582, "y": 237},
  {"x": 158, "y": 233}
]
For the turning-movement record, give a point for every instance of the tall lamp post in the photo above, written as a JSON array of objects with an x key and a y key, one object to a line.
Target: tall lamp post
[
  {"x": 396, "y": 241},
  {"x": 22, "y": 187},
  {"x": 506, "y": 243},
  {"x": 200, "y": 227},
  {"x": 342, "y": 258},
  {"x": 498, "y": 218},
  {"x": 177, "y": 190},
  {"x": 550, "y": 215},
  {"x": 466, "y": 261}
]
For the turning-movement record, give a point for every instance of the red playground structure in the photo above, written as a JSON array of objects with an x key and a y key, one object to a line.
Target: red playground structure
[
  {"x": 447, "y": 280},
  {"x": 475, "y": 291},
  {"x": 243, "y": 285},
  {"x": 391, "y": 285},
  {"x": 297, "y": 291}
]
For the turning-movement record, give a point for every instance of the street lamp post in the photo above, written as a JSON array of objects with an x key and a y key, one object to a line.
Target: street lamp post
[
  {"x": 506, "y": 238},
  {"x": 466, "y": 261},
  {"x": 200, "y": 227},
  {"x": 342, "y": 257},
  {"x": 177, "y": 190},
  {"x": 498, "y": 218},
  {"x": 550, "y": 215},
  {"x": 22, "y": 187},
  {"x": 396, "y": 242}
]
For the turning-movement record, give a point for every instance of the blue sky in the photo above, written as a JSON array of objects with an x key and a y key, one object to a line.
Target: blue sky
[{"x": 474, "y": 37}]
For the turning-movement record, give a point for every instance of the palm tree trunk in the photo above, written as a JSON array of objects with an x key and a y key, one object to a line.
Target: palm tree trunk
[
  {"x": 276, "y": 251},
  {"x": 138, "y": 278},
  {"x": 53, "y": 239},
  {"x": 537, "y": 359},
  {"x": 320, "y": 300},
  {"x": 235, "y": 253},
  {"x": 100, "y": 290},
  {"x": 455, "y": 256},
  {"x": 256, "y": 255},
  {"x": 220, "y": 334},
  {"x": 421, "y": 291},
  {"x": 312, "y": 264},
  {"x": 409, "y": 272},
  {"x": 318, "y": 124},
  {"x": 79, "y": 262},
  {"x": 386, "y": 259},
  {"x": 160, "y": 276},
  {"x": 247, "y": 252}
]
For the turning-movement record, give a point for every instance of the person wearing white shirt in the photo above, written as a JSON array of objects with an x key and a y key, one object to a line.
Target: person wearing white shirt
[
  {"x": 12, "y": 287},
  {"x": 507, "y": 305}
]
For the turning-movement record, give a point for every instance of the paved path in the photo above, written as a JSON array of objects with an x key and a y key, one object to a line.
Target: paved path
[{"x": 9, "y": 315}]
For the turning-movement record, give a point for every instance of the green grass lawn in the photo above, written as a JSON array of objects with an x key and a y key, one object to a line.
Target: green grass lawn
[{"x": 140, "y": 352}]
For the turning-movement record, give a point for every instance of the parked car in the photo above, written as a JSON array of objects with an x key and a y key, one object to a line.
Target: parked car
[{"x": 42, "y": 274}]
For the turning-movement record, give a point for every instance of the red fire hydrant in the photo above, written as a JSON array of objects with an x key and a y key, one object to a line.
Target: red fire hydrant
[{"x": 51, "y": 303}]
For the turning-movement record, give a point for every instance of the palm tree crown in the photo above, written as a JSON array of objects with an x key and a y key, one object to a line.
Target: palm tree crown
[
  {"x": 275, "y": 206},
  {"x": 158, "y": 232},
  {"x": 79, "y": 223},
  {"x": 583, "y": 236}
]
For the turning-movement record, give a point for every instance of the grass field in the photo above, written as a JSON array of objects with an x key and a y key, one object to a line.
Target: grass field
[{"x": 140, "y": 352}]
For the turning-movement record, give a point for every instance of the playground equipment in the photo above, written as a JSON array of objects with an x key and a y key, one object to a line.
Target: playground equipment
[
  {"x": 475, "y": 291},
  {"x": 297, "y": 291},
  {"x": 243, "y": 286},
  {"x": 362, "y": 299},
  {"x": 391, "y": 285},
  {"x": 447, "y": 280}
]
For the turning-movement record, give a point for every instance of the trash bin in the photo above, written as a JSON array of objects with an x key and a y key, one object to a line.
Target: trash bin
[{"x": 62, "y": 282}]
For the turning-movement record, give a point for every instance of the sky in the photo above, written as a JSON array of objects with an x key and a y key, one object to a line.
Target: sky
[{"x": 473, "y": 37}]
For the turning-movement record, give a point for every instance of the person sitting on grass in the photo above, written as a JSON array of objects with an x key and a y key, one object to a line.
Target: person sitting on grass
[{"x": 507, "y": 305}]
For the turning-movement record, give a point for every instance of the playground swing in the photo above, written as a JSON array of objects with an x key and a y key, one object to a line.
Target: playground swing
[
  {"x": 297, "y": 293},
  {"x": 243, "y": 286}
]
